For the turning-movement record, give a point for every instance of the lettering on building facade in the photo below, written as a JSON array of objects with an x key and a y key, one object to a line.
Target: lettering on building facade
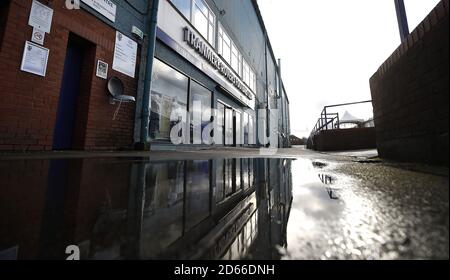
[{"x": 195, "y": 42}]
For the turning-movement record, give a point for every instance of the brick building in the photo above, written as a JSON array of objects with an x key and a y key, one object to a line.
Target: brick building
[
  {"x": 31, "y": 107},
  {"x": 65, "y": 104}
]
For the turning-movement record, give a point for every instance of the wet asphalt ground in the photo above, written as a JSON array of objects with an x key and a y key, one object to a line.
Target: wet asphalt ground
[
  {"x": 352, "y": 205},
  {"x": 347, "y": 205}
]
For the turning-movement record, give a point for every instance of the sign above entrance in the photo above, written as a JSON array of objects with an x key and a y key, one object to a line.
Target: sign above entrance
[
  {"x": 105, "y": 7},
  {"x": 207, "y": 53}
]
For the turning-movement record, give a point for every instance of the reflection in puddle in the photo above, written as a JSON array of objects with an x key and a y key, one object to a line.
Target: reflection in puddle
[
  {"x": 118, "y": 209},
  {"x": 195, "y": 209},
  {"x": 328, "y": 181},
  {"x": 341, "y": 223}
]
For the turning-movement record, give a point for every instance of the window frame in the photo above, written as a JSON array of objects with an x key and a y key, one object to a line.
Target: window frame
[
  {"x": 248, "y": 75},
  {"x": 217, "y": 37},
  {"x": 189, "y": 94},
  {"x": 210, "y": 19},
  {"x": 238, "y": 57}
]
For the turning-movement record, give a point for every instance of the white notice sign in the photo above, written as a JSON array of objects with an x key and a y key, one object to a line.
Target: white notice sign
[
  {"x": 38, "y": 36},
  {"x": 41, "y": 17},
  {"x": 125, "y": 55},
  {"x": 105, "y": 7},
  {"x": 34, "y": 59}
]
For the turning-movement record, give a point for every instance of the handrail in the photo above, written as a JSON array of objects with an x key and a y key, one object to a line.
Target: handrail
[{"x": 323, "y": 123}]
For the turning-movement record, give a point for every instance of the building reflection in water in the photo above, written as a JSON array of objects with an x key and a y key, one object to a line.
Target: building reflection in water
[
  {"x": 329, "y": 181},
  {"x": 119, "y": 209}
]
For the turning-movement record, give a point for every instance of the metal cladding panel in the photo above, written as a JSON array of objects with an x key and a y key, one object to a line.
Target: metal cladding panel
[{"x": 129, "y": 13}]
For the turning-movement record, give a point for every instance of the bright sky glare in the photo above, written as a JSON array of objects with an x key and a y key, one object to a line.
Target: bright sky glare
[{"x": 329, "y": 49}]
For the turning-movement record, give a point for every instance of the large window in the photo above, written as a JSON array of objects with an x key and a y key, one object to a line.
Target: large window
[
  {"x": 204, "y": 20},
  {"x": 229, "y": 51},
  {"x": 224, "y": 45},
  {"x": 238, "y": 129},
  {"x": 200, "y": 109},
  {"x": 252, "y": 82},
  {"x": 248, "y": 76},
  {"x": 236, "y": 60},
  {"x": 229, "y": 136},
  {"x": 184, "y": 6},
  {"x": 200, "y": 15},
  {"x": 219, "y": 133},
  {"x": 251, "y": 130},
  {"x": 169, "y": 93},
  {"x": 245, "y": 127}
]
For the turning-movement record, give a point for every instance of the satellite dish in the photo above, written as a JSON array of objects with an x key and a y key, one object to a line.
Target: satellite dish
[{"x": 116, "y": 89}]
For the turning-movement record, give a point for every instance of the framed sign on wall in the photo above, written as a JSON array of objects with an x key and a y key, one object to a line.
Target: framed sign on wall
[{"x": 35, "y": 59}]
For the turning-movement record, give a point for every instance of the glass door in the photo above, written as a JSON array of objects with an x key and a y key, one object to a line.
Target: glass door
[
  {"x": 200, "y": 111},
  {"x": 229, "y": 137},
  {"x": 219, "y": 133},
  {"x": 245, "y": 127},
  {"x": 238, "y": 129}
]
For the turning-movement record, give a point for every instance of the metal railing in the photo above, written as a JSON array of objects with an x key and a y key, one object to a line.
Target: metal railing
[{"x": 328, "y": 121}]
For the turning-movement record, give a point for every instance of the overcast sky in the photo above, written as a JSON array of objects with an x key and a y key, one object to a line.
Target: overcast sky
[{"x": 330, "y": 49}]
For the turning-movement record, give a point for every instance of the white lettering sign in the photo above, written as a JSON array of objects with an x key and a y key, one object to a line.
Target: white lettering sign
[
  {"x": 35, "y": 59},
  {"x": 41, "y": 17},
  {"x": 125, "y": 55},
  {"x": 105, "y": 7}
]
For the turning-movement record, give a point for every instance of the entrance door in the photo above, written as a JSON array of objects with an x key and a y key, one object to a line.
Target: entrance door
[
  {"x": 219, "y": 134},
  {"x": 70, "y": 88},
  {"x": 229, "y": 137},
  {"x": 237, "y": 129}
]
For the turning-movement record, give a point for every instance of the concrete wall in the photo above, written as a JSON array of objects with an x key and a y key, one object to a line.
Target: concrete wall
[
  {"x": 344, "y": 139},
  {"x": 410, "y": 94}
]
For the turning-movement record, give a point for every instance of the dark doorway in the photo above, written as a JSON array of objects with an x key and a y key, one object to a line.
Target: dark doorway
[
  {"x": 4, "y": 9},
  {"x": 69, "y": 127}
]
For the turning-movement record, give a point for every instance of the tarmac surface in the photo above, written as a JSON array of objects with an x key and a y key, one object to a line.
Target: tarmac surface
[{"x": 345, "y": 205}]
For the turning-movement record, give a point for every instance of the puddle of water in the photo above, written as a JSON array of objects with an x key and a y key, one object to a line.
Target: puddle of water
[
  {"x": 140, "y": 209},
  {"x": 191, "y": 209}
]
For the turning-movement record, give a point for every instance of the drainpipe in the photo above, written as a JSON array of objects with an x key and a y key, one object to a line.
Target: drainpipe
[
  {"x": 145, "y": 110},
  {"x": 280, "y": 92},
  {"x": 267, "y": 87},
  {"x": 402, "y": 19}
]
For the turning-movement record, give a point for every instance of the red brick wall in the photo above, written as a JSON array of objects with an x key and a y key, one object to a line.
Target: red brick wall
[
  {"x": 410, "y": 94},
  {"x": 345, "y": 139},
  {"x": 29, "y": 103}
]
